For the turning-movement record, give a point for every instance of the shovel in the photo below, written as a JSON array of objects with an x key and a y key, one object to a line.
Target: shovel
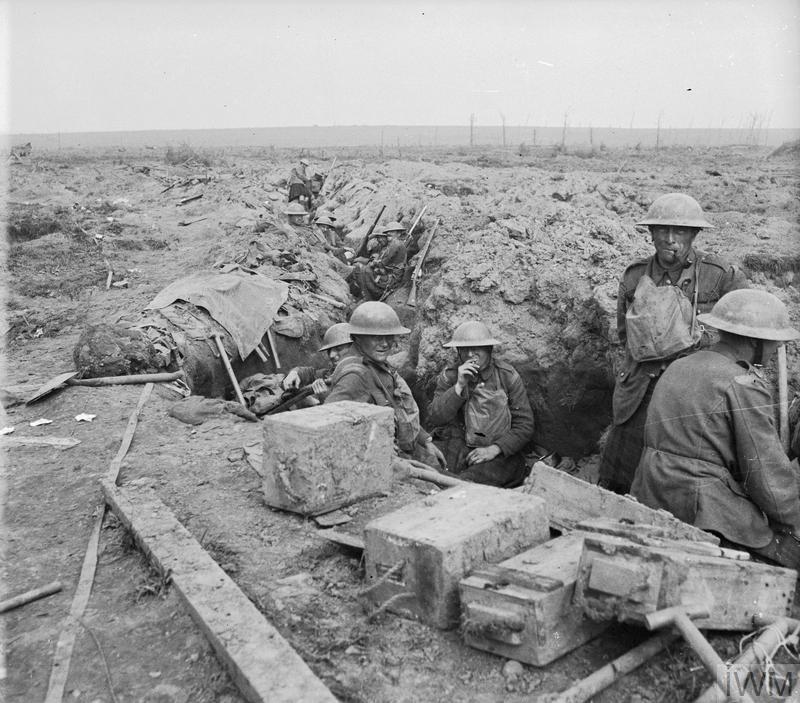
[{"x": 68, "y": 379}]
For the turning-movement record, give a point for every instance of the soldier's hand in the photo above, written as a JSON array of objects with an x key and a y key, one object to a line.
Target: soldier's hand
[
  {"x": 466, "y": 372},
  {"x": 482, "y": 454},
  {"x": 291, "y": 380},
  {"x": 319, "y": 386}
]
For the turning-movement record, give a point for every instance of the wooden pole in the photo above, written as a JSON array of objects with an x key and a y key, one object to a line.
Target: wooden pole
[
  {"x": 679, "y": 617},
  {"x": 127, "y": 380},
  {"x": 273, "y": 348},
  {"x": 603, "y": 678},
  {"x": 229, "y": 369},
  {"x": 783, "y": 399},
  {"x": 28, "y": 596},
  {"x": 765, "y": 646}
]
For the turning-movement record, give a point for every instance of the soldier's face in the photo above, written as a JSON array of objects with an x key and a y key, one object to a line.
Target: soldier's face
[
  {"x": 672, "y": 243},
  {"x": 376, "y": 346},
  {"x": 335, "y": 354},
  {"x": 296, "y": 219},
  {"x": 480, "y": 355}
]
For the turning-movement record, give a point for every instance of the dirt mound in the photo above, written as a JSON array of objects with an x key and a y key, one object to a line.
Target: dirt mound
[{"x": 786, "y": 149}]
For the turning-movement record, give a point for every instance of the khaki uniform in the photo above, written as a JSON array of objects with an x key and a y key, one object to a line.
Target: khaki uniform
[
  {"x": 635, "y": 381},
  {"x": 365, "y": 381},
  {"x": 373, "y": 279},
  {"x": 447, "y": 414},
  {"x": 712, "y": 455}
]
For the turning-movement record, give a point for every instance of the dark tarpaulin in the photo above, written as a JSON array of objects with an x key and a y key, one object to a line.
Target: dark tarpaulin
[{"x": 244, "y": 304}]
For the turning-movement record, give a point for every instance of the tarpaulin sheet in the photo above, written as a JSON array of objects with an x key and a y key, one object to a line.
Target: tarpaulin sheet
[{"x": 244, "y": 304}]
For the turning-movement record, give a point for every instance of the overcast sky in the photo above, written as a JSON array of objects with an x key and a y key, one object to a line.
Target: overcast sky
[{"x": 76, "y": 65}]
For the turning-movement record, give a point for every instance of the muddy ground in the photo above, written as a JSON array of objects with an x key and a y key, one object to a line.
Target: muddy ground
[{"x": 533, "y": 244}]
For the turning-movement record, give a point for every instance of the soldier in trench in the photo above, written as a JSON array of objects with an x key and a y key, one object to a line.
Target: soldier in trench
[
  {"x": 712, "y": 455},
  {"x": 337, "y": 345},
  {"x": 365, "y": 376},
  {"x": 658, "y": 300},
  {"x": 480, "y": 411},
  {"x": 386, "y": 265}
]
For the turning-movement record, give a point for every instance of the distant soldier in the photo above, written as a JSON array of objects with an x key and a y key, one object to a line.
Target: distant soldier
[
  {"x": 386, "y": 265},
  {"x": 326, "y": 226},
  {"x": 337, "y": 345},
  {"x": 480, "y": 411},
  {"x": 365, "y": 376},
  {"x": 712, "y": 455},
  {"x": 659, "y": 298},
  {"x": 300, "y": 185}
]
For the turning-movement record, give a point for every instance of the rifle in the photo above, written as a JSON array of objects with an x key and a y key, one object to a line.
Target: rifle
[
  {"x": 423, "y": 254},
  {"x": 414, "y": 225},
  {"x": 325, "y": 179},
  {"x": 304, "y": 392},
  {"x": 362, "y": 248}
]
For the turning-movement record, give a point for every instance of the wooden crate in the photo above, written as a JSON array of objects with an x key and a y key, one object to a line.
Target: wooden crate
[
  {"x": 322, "y": 458},
  {"x": 416, "y": 556},
  {"x": 622, "y": 579},
  {"x": 522, "y": 607},
  {"x": 571, "y": 500}
]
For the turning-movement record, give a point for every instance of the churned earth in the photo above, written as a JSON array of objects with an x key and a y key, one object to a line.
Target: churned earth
[{"x": 533, "y": 244}]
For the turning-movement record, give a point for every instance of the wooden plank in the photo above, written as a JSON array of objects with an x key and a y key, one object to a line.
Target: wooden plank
[
  {"x": 344, "y": 539},
  {"x": 262, "y": 664},
  {"x": 30, "y": 596},
  {"x": 61, "y": 442},
  {"x": 66, "y": 640},
  {"x": 127, "y": 437},
  {"x": 571, "y": 500}
]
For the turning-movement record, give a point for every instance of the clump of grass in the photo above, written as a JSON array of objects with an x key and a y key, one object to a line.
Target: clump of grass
[{"x": 185, "y": 154}]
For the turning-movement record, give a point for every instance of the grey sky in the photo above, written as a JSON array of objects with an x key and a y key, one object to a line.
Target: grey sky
[{"x": 76, "y": 65}]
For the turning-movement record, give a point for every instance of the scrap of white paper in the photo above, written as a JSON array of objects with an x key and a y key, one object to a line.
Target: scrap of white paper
[
  {"x": 85, "y": 417},
  {"x": 6, "y": 430},
  {"x": 40, "y": 421}
]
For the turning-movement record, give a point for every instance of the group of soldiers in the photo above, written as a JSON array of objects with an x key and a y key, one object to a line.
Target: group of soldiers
[
  {"x": 372, "y": 273},
  {"x": 694, "y": 428}
]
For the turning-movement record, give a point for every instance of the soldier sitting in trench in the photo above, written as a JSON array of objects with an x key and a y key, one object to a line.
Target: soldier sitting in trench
[
  {"x": 659, "y": 298},
  {"x": 337, "y": 345},
  {"x": 480, "y": 411},
  {"x": 373, "y": 279},
  {"x": 365, "y": 376},
  {"x": 712, "y": 455}
]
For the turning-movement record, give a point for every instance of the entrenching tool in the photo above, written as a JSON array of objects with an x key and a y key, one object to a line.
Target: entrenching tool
[
  {"x": 68, "y": 379},
  {"x": 226, "y": 361},
  {"x": 680, "y": 618}
]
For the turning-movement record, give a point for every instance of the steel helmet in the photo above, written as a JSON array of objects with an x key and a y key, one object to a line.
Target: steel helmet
[
  {"x": 375, "y": 318},
  {"x": 751, "y": 313},
  {"x": 393, "y": 227},
  {"x": 336, "y": 336},
  {"x": 325, "y": 221},
  {"x": 295, "y": 208},
  {"x": 305, "y": 162},
  {"x": 678, "y": 210},
  {"x": 472, "y": 334}
]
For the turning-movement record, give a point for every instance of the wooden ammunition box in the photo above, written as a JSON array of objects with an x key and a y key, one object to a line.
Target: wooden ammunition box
[
  {"x": 319, "y": 459},
  {"x": 416, "y": 556},
  {"x": 625, "y": 579},
  {"x": 522, "y": 607}
]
